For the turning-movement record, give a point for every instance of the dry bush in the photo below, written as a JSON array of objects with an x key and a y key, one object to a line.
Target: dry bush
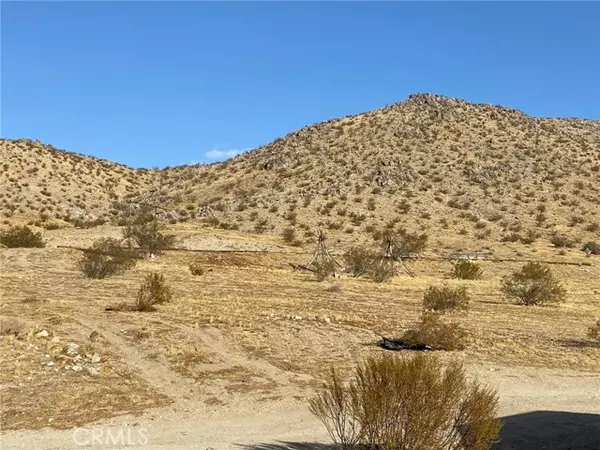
[
  {"x": 12, "y": 326},
  {"x": 594, "y": 331},
  {"x": 106, "y": 257},
  {"x": 562, "y": 241},
  {"x": 358, "y": 261},
  {"x": 323, "y": 269},
  {"x": 446, "y": 298},
  {"x": 153, "y": 291},
  {"x": 21, "y": 237},
  {"x": 534, "y": 284},
  {"x": 467, "y": 270},
  {"x": 196, "y": 268},
  {"x": 289, "y": 235},
  {"x": 405, "y": 244},
  {"x": 591, "y": 248},
  {"x": 408, "y": 404},
  {"x": 382, "y": 270},
  {"x": 147, "y": 232},
  {"x": 433, "y": 332}
]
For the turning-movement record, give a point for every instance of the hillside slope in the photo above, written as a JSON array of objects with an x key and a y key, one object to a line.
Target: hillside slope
[{"x": 432, "y": 163}]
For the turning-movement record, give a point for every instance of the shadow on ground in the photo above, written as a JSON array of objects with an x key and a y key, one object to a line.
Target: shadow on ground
[
  {"x": 551, "y": 430},
  {"x": 538, "y": 430},
  {"x": 291, "y": 446}
]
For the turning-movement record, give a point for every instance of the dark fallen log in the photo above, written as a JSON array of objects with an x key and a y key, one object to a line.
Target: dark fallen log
[
  {"x": 301, "y": 267},
  {"x": 397, "y": 345}
]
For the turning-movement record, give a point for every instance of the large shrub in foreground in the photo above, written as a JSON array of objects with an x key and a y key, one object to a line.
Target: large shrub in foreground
[
  {"x": 534, "y": 284},
  {"x": 415, "y": 403}
]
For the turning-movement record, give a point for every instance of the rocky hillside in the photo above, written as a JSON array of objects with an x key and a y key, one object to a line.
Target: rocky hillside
[{"x": 430, "y": 163}]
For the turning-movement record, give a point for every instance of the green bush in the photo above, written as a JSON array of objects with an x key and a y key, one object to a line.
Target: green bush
[
  {"x": 467, "y": 270},
  {"x": 408, "y": 404},
  {"x": 21, "y": 237},
  {"x": 153, "y": 291},
  {"x": 106, "y": 257},
  {"x": 446, "y": 298},
  {"x": 534, "y": 284}
]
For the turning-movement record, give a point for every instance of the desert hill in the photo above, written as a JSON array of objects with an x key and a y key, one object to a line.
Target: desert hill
[{"x": 474, "y": 171}]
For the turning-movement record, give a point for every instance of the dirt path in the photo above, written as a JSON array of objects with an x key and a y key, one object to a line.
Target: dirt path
[{"x": 552, "y": 409}]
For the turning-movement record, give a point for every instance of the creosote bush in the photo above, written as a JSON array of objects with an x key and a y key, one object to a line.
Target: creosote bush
[
  {"x": 106, "y": 257},
  {"x": 153, "y": 291},
  {"x": 382, "y": 270},
  {"x": 406, "y": 244},
  {"x": 467, "y": 270},
  {"x": 196, "y": 268},
  {"x": 358, "y": 261},
  {"x": 21, "y": 237},
  {"x": 323, "y": 269},
  {"x": 446, "y": 298},
  {"x": 534, "y": 284},
  {"x": 408, "y": 404},
  {"x": 148, "y": 232},
  {"x": 435, "y": 333},
  {"x": 591, "y": 248}
]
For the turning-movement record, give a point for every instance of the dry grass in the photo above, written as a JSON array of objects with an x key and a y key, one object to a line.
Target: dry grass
[{"x": 263, "y": 309}]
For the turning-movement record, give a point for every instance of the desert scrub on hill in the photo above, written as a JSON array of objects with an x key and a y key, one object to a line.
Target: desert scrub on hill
[
  {"x": 534, "y": 284},
  {"x": 148, "y": 232},
  {"x": 106, "y": 257},
  {"x": 153, "y": 291},
  {"x": 591, "y": 248},
  {"x": 21, "y": 237},
  {"x": 467, "y": 270},
  {"x": 446, "y": 298},
  {"x": 408, "y": 404}
]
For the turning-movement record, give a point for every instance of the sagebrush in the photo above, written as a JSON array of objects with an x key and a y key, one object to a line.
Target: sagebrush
[
  {"x": 446, "y": 298},
  {"x": 148, "y": 232},
  {"x": 153, "y": 291},
  {"x": 21, "y": 237},
  {"x": 408, "y": 404},
  {"x": 534, "y": 284},
  {"x": 106, "y": 257},
  {"x": 467, "y": 270},
  {"x": 431, "y": 331}
]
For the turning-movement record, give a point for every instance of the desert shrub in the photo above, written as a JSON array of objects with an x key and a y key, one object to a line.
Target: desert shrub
[
  {"x": 196, "y": 268},
  {"x": 534, "y": 284},
  {"x": 594, "y": 331},
  {"x": 592, "y": 248},
  {"x": 530, "y": 237},
  {"x": 358, "y": 261},
  {"x": 446, "y": 298},
  {"x": 435, "y": 333},
  {"x": 104, "y": 258},
  {"x": 467, "y": 270},
  {"x": 21, "y": 237},
  {"x": 323, "y": 269},
  {"x": 148, "y": 232},
  {"x": 12, "y": 326},
  {"x": 153, "y": 291},
  {"x": 382, "y": 270},
  {"x": 408, "y": 404},
  {"x": 289, "y": 234},
  {"x": 561, "y": 241},
  {"x": 404, "y": 243}
]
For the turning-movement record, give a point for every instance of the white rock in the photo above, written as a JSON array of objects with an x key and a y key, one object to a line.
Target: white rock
[
  {"x": 76, "y": 368},
  {"x": 72, "y": 349},
  {"x": 55, "y": 339},
  {"x": 297, "y": 317},
  {"x": 42, "y": 334},
  {"x": 51, "y": 363},
  {"x": 95, "y": 359},
  {"x": 92, "y": 371},
  {"x": 327, "y": 320}
]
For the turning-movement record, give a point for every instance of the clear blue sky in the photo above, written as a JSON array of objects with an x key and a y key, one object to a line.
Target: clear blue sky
[{"x": 163, "y": 83}]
